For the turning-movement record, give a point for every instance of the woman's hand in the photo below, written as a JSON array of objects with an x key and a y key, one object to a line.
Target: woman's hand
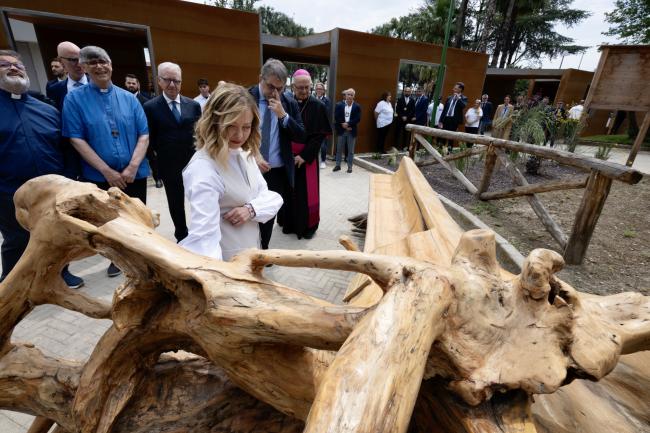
[{"x": 238, "y": 216}]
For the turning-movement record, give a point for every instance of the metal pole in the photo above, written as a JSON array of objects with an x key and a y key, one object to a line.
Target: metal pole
[
  {"x": 443, "y": 65},
  {"x": 581, "y": 57}
]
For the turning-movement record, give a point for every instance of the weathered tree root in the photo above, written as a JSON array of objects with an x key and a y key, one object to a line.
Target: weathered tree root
[{"x": 463, "y": 325}]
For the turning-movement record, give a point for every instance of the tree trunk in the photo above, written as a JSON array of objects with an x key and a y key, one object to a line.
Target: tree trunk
[
  {"x": 489, "y": 21},
  {"x": 509, "y": 30},
  {"x": 460, "y": 24}
]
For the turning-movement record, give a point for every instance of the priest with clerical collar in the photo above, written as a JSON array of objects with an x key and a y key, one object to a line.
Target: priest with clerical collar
[{"x": 302, "y": 207}]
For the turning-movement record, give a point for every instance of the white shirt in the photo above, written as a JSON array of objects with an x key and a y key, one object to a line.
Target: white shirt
[
  {"x": 169, "y": 101},
  {"x": 385, "y": 114},
  {"x": 348, "y": 111},
  {"x": 71, "y": 83},
  {"x": 438, "y": 112},
  {"x": 205, "y": 187},
  {"x": 202, "y": 100},
  {"x": 575, "y": 112},
  {"x": 473, "y": 116}
]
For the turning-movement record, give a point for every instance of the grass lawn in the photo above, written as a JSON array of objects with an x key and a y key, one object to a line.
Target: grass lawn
[{"x": 616, "y": 139}]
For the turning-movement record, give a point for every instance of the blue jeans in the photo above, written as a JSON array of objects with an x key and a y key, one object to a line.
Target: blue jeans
[
  {"x": 342, "y": 140},
  {"x": 323, "y": 149}
]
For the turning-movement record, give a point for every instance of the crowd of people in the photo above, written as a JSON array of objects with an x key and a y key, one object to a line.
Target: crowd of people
[{"x": 242, "y": 157}]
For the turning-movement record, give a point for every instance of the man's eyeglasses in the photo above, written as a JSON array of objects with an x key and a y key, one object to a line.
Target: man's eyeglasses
[
  {"x": 8, "y": 65},
  {"x": 71, "y": 59},
  {"x": 97, "y": 62},
  {"x": 170, "y": 80},
  {"x": 271, "y": 86}
]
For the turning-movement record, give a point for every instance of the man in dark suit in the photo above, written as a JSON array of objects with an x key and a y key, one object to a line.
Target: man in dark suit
[
  {"x": 405, "y": 113},
  {"x": 69, "y": 55},
  {"x": 488, "y": 112},
  {"x": 281, "y": 124},
  {"x": 320, "y": 95},
  {"x": 171, "y": 118},
  {"x": 421, "y": 106},
  {"x": 347, "y": 115},
  {"x": 58, "y": 71},
  {"x": 132, "y": 84},
  {"x": 452, "y": 113}
]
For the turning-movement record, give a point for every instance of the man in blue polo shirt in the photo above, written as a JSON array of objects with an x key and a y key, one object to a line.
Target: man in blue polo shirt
[
  {"x": 108, "y": 127},
  {"x": 30, "y": 146}
]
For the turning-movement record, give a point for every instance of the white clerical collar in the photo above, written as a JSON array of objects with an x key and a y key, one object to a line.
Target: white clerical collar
[
  {"x": 16, "y": 96},
  {"x": 169, "y": 100}
]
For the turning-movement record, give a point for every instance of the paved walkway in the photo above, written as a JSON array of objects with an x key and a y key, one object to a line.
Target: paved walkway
[
  {"x": 71, "y": 335},
  {"x": 641, "y": 162}
]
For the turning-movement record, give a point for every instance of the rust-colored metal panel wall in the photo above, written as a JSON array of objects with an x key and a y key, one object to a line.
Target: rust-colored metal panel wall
[
  {"x": 207, "y": 42},
  {"x": 573, "y": 86},
  {"x": 369, "y": 64}
]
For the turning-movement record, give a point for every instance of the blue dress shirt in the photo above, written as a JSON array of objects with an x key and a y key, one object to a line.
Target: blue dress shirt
[
  {"x": 29, "y": 141},
  {"x": 110, "y": 121},
  {"x": 275, "y": 158}
]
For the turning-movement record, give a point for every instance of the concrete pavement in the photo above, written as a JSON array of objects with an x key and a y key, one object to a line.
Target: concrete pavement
[{"x": 67, "y": 334}]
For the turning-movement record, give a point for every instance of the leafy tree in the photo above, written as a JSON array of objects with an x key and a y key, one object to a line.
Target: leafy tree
[
  {"x": 630, "y": 21},
  {"x": 273, "y": 22},
  {"x": 513, "y": 31}
]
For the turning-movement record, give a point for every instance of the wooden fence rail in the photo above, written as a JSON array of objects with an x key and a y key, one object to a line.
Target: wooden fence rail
[{"x": 597, "y": 183}]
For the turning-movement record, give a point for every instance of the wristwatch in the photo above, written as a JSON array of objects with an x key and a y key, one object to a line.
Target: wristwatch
[{"x": 251, "y": 209}]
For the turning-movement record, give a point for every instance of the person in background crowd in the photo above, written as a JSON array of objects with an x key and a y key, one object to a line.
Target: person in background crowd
[
  {"x": 438, "y": 109},
  {"x": 320, "y": 95},
  {"x": 452, "y": 113},
  {"x": 171, "y": 118},
  {"x": 303, "y": 206},
  {"x": 487, "y": 109},
  {"x": 227, "y": 193},
  {"x": 347, "y": 115},
  {"x": 473, "y": 118},
  {"x": 204, "y": 92},
  {"x": 421, "y": 107},
  {"x": 383, "y": 119},
  {"x": 56, "y": 66},
  {"x": 575, "y": 113},
  {"x": 405, "y": 113},
  {"x": 30, "y": 145},
  {"x": 107, "y": 126},
  {"x": 281, "y": 124},
  {"x": 504, "y": 114},
  {"x": 69, "y": 55},
  {"x": 132, "y": 84}
]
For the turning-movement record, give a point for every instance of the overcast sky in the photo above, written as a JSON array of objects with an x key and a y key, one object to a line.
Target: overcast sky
[{"x": 363, "y": 15}]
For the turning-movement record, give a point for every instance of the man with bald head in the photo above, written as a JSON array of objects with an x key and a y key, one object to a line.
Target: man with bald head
[
  {"x": 68, "y": 54},
  {"x": 171, "y": 119}
]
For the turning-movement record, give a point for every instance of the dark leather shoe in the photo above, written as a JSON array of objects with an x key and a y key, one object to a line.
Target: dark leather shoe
[
  {"x": 159, "y": 183},
  {"x": 337, "y": 168},
  {"x": 349, "y": 170},
  {"x": 113, "y": 271}
]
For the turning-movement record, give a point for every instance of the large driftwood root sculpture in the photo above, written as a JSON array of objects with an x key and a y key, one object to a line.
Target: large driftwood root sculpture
[{"x": 337, "y": 368}]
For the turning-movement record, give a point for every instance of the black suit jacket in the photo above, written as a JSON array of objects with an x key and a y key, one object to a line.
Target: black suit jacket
[
  {"x": 457, "y": 115},
  {"x": 421, "y": 106},
  {"x": 294, "y": 131},
  {"x": 404, "y": 109},
  {"x": 142, "y": 98},
  {"x": 172, "y": 141},
  {"x": 339, "y": 117},
  {"x": 488, "y": 110},
  {"x": 56, "y": 92}
]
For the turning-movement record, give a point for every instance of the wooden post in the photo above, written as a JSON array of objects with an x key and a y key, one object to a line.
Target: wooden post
[
  {"x": 593, "y": 200},
  {"x": 490, "y": 163},
  {"x": 412, "y": 146},
  {"x": 551, "y": 226},
  {"x": 639, "y": 139},
  {"x": 469, "y": 186},
  {"x": 40, "y": 425}
]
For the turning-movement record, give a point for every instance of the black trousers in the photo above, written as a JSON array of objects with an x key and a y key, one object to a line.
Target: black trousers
[
  {"x": 401, "y": 134},
  {"x": 382, "y": 133},
  {"x": 175, "y": 193},
  {"x": 15, "y": 237},
  {"x": 449, "y": 124},
  {"x": 137, "y": 189},
  {"x": 276, "y": 180}
]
